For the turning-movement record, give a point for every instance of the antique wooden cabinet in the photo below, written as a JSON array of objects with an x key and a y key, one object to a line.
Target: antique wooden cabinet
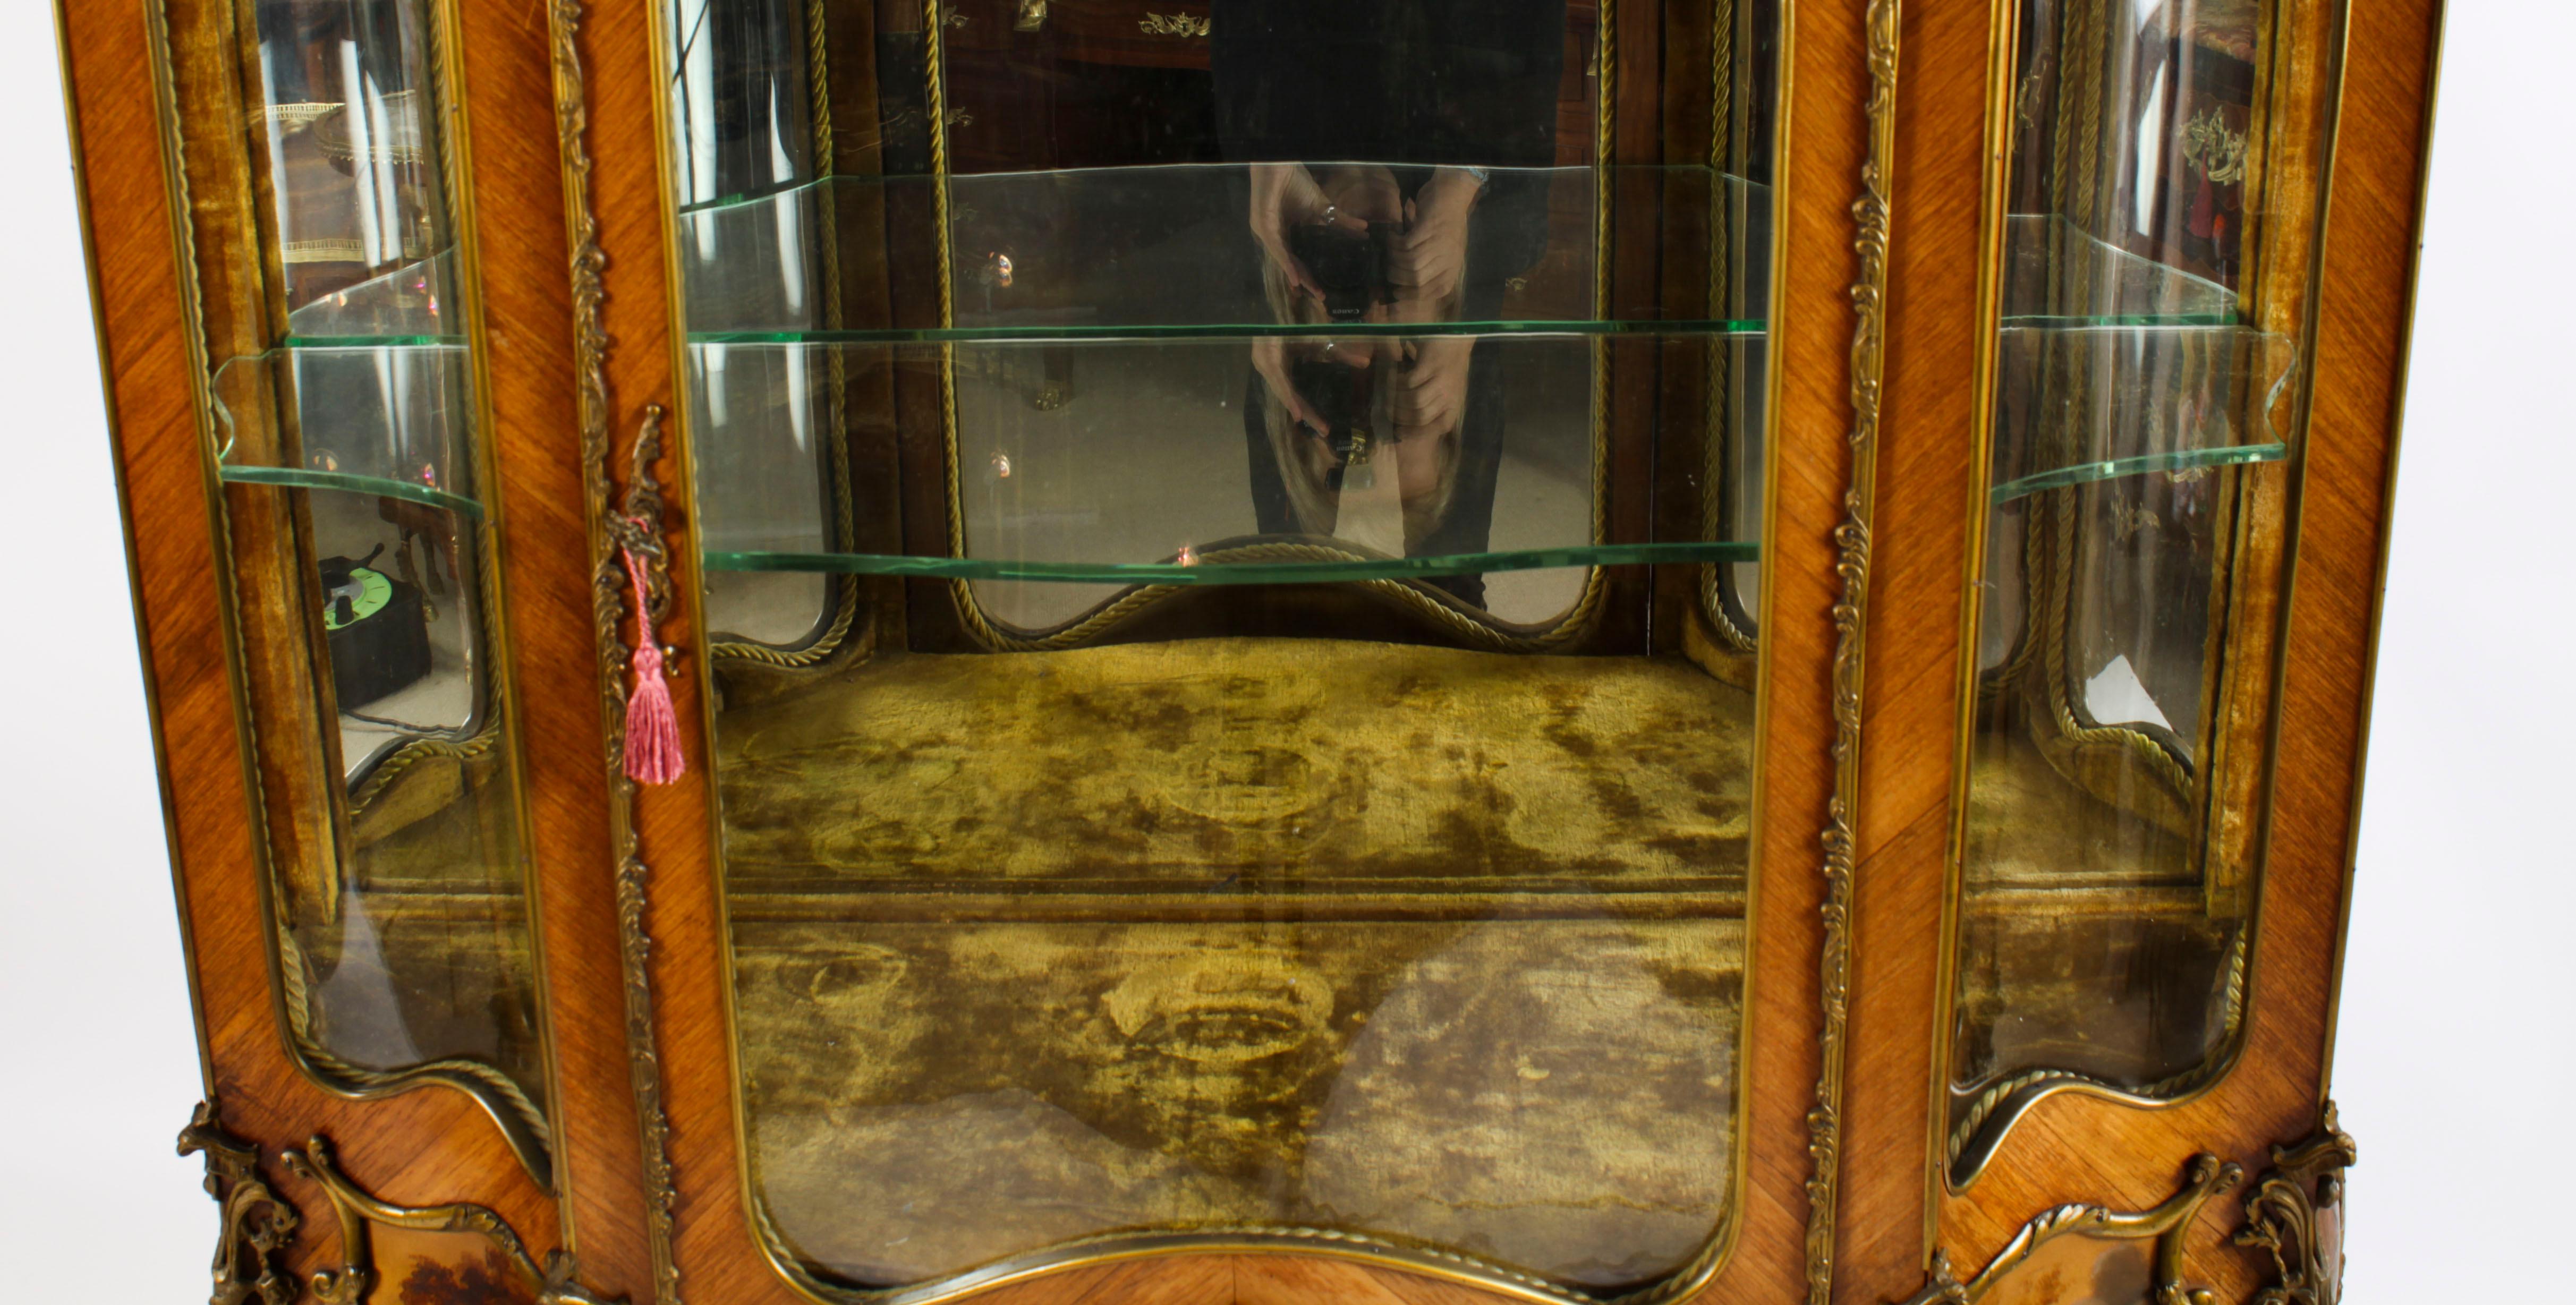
[{"x": 1267, "y": 650}]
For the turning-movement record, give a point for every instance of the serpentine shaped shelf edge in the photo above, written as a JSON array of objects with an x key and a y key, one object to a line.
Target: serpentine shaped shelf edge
[{"x": 1235, "y": 573}]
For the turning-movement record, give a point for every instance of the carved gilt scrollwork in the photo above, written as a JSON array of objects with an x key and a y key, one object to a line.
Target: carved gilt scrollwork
[
  {"x": 1871, "y": 218},
  {"x": 591, "y": 344},
  {"x": 257, "y": 1224},
  {"x": 637, "y": 527},
  {"x": 2296, "y": 1213},
  {"x": 2167, "y": 1224},
  {"x": 555, "y": 1282}
]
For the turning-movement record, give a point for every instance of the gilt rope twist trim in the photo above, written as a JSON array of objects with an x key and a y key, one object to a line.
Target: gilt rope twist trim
[
  {"x": 846, "y": 597},
  {"x": 1716, "y": 479},
  {"x": 2015, "y": 1094},
  {"x": 523, "y": 1124}
]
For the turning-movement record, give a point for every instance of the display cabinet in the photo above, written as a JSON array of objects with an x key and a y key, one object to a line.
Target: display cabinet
[{"x": 1100, "y": 650}]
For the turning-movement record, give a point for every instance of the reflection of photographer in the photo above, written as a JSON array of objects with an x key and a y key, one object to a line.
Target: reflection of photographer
[
  {"x": 1328, "y": 252},
  {"x": 1391, "y": 444}
]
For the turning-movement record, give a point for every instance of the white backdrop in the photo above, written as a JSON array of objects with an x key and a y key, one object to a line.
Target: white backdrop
[{"x": 2458, "y": 1043}]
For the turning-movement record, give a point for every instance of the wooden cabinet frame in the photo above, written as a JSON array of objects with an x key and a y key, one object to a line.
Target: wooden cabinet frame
[{"x": 1888, "y": 170}]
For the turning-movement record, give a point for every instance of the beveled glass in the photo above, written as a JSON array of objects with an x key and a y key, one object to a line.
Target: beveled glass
[{"x": 1155, "y": 468}]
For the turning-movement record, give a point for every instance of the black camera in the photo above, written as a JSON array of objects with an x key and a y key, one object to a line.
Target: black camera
[
  {"x": 1342, "y": 396},
  {"x": 1351, "y": 266}
]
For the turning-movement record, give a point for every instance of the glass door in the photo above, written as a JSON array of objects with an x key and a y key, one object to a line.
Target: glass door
[
  {"x": 2145, "y": 419},
  {"x": 346, "y": 413},
  {"x": 1232, "y": 585}
]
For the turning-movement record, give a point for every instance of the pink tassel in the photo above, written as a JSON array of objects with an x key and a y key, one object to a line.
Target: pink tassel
[{"x": 652, "y": 732}]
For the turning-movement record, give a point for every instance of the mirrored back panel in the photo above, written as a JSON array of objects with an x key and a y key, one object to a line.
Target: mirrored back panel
[
  {"x": 2160, "y": 195},
  {"x": 1232, "y": 548},
  {"x": 345, "y": 412}
]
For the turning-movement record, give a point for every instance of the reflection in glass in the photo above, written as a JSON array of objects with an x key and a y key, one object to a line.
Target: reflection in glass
[
  {"x": 1247, "y": 375},
  {"x": 2134, "y": 548},
  {"x": 364, "y": 584}
]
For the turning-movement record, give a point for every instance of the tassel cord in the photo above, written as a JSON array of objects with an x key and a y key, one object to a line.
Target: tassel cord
[{"x": 653, "y": 753}]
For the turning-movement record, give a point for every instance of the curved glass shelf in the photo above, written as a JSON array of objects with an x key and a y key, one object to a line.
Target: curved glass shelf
[
  {"x": 313, "y": 342},
  {"x": 383, "y": 415},
  {"x": 1238, "y": 573},
  {"x": 376, "y": 485},
  {"x": 2081, "y": 405},
  {"x": 1097, "y": 460},
  {"x": 2143, "y": 464},
  {"x": 2058, "y": 274},
  {"x": 1234, "y": 331}
]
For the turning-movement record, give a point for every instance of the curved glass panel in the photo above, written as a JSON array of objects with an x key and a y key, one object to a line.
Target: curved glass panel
[
  {"x": 1154, "y": 465},
  {"x": 2135, "y": 544},
  {"x": 343, "y": 398}
]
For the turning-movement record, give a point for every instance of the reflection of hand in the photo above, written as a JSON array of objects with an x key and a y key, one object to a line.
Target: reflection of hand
[
  {"x": 1430, "y": 395},
  {"x": 1430, "y": 259},
  {"x": 1285, "y": 195},
  {"x": 1270, "y": 358}
]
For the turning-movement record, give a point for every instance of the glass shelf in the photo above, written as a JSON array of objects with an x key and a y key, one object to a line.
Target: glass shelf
[
  {"x": 2179, "y": 460},
  {"x": 1231, "y": 331},
  {"x": 1171, "y": 246},
  {"x": 388, "y": 416},
  {"x": 1468, "y": 461},
  {"x": 293, "y": 478},
  {"x": 1219, "y": 572},
  {"x": 2057, "y": 274},
  {"x": 2080, "y": 405}
]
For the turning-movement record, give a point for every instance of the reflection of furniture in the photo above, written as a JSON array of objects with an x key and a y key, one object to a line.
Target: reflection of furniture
[
  {"x": 1052, "y": 83},
  {"x": 1077, "y": 890},
  {"x": 379, "y": 631}
]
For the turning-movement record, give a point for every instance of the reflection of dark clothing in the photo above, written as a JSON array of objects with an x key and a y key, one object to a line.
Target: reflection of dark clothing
[
  {"x": 1424, "y": 83},
  {"x": 1469, "y": 83}
]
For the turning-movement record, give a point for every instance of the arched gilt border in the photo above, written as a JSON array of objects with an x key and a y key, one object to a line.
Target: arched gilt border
[
  {"x": 636, "y": 527},
  {"x": 1852, "y": 543}
]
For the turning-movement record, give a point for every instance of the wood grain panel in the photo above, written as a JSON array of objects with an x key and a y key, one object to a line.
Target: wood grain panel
[
  {"x": 1824, "y": 141},
  {"x": 507, "y": 94},
  {"x": 1909, "y": 716},
  {"x": 425, "y": 1146},
  {"x": 715, "y": 1250},
  {"x": 2077, "y": 1148}
]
